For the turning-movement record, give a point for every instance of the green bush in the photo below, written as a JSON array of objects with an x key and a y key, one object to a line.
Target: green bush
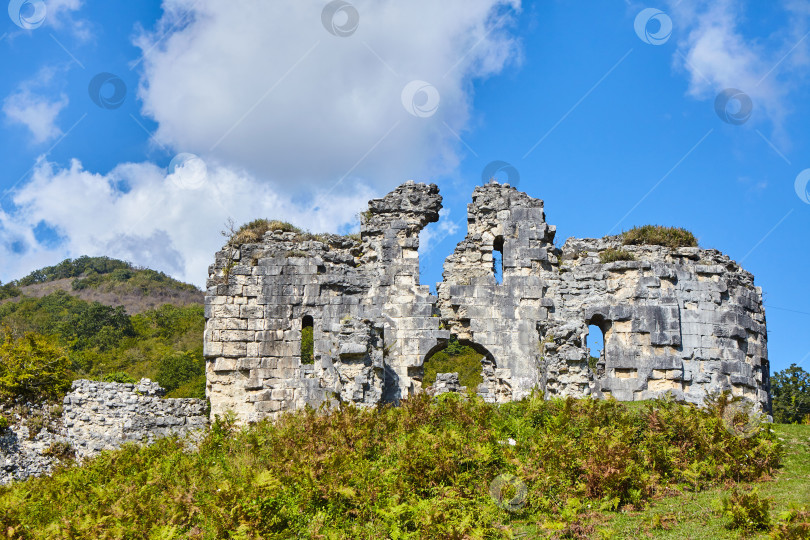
[
  {"x": 9, "y": 290},
  {"x": 192, "y": 388},
  {"x": 74, "y": 268},
  {"x": 36, "y": 423},
  {"x": 178, "y": 369},
  {"x": 421, "y": 470},
  {"x": 658, "y": 235},
  {"x": 131, "y": 280},
  {"x": 33, "y": 368},
  {"x": 790, "y": 395},
  {"x": 4, "y": 423},
  {"x": 76, "y": 323},
  {"x": 119, "y": 377},
  {"x": 793, "y": 524},
  {"x": 612, "y": 255},
  {"x": 102, "y": 341},
  {"x": 747, "y": 510}
]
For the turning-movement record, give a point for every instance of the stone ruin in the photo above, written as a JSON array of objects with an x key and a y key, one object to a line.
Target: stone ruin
[
  {"x": 94, "y": 416},
  {"x": 684, "y": 321}
]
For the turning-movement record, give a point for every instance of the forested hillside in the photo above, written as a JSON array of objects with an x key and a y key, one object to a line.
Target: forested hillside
[
  {"x": 107, "y": 281},
  {"x": 69, "y": 336}
]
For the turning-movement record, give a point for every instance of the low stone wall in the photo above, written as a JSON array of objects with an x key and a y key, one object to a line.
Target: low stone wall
[
  {"x": 101, "y": 416},
  {"x": 95, "y": 416}
]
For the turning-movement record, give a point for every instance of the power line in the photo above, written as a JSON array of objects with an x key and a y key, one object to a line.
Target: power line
[{"x": 786, "y": 309}]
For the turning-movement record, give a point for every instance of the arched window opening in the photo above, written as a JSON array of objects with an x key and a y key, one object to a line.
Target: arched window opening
[
  {"x": 596, "y": 343},
  {"x": 307, "y": 341},
  {"x": 454, "y": 358},
  {"x": 497, "y": 259}
]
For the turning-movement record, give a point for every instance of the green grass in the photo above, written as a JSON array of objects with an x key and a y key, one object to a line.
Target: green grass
[
  {"x": 613, "y": 255},
  {"x": 658, "y": 235},
  {"x": 422, "y": 470},
  {"x": 693, "y": 515}
]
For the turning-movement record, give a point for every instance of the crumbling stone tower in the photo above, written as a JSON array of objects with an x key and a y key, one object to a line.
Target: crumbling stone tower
[{"x": 686, "y": 321}]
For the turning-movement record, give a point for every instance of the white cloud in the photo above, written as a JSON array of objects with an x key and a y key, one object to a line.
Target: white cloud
[
  {"x": 716, "y": 54},
  {"x": 154, "y": 220},
  {"x": 435, "y": 233},
  {"x": 60, "y": 15},
  {"x": 36, "y": 112},
  {"x": 264, "y": 85},
  {"x": 293, "y": 123}
]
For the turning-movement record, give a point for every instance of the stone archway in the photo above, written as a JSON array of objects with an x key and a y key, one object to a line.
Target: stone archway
[{"x": 476, "y": 368}]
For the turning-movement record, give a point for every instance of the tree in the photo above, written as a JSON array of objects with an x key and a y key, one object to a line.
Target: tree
[
  {"x": 790, "y": 395},
  {"x": 178, "y": 369},
  {"x": 32, "y": 367}
]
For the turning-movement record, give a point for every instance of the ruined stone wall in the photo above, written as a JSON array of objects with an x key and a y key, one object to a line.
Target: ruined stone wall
[
  {"x": 687, "y": 321},
  {"x": 684, "y": 320},
  {"x": 103, "y": 416},
  {"x": 94, "y": 416},
  {"x": 373, "y": 322}
]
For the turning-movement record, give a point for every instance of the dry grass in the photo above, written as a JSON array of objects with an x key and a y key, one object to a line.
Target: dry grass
[
  {"x": 254, "y": 231},
  {"x": 658, "y": 235}
]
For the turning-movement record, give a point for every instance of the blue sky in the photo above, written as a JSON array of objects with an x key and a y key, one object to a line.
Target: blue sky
[{"x": 301, "y": 116}]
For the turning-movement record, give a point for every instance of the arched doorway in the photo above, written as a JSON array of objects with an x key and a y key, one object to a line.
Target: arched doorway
[{"x": 474, "y": 364}]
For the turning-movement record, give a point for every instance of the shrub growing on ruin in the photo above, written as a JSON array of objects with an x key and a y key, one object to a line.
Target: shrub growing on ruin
[
  {"x": 658, "y": 235},
  {"x": 613, "y": 255},
  {"x": 254, "y": 231}
]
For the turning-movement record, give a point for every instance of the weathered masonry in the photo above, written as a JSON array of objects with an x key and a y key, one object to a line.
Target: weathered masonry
[
  {"x": 686, "y": 321},
  {"x": 95, "y": 416}
]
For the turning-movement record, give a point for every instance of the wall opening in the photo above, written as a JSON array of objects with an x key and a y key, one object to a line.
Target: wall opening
[
  {"x": 307, "y": 341},
  {"x": 497, "y": 259},
  {"x": 458, "y": 357},
  {"x": 595, "y": 341}
]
